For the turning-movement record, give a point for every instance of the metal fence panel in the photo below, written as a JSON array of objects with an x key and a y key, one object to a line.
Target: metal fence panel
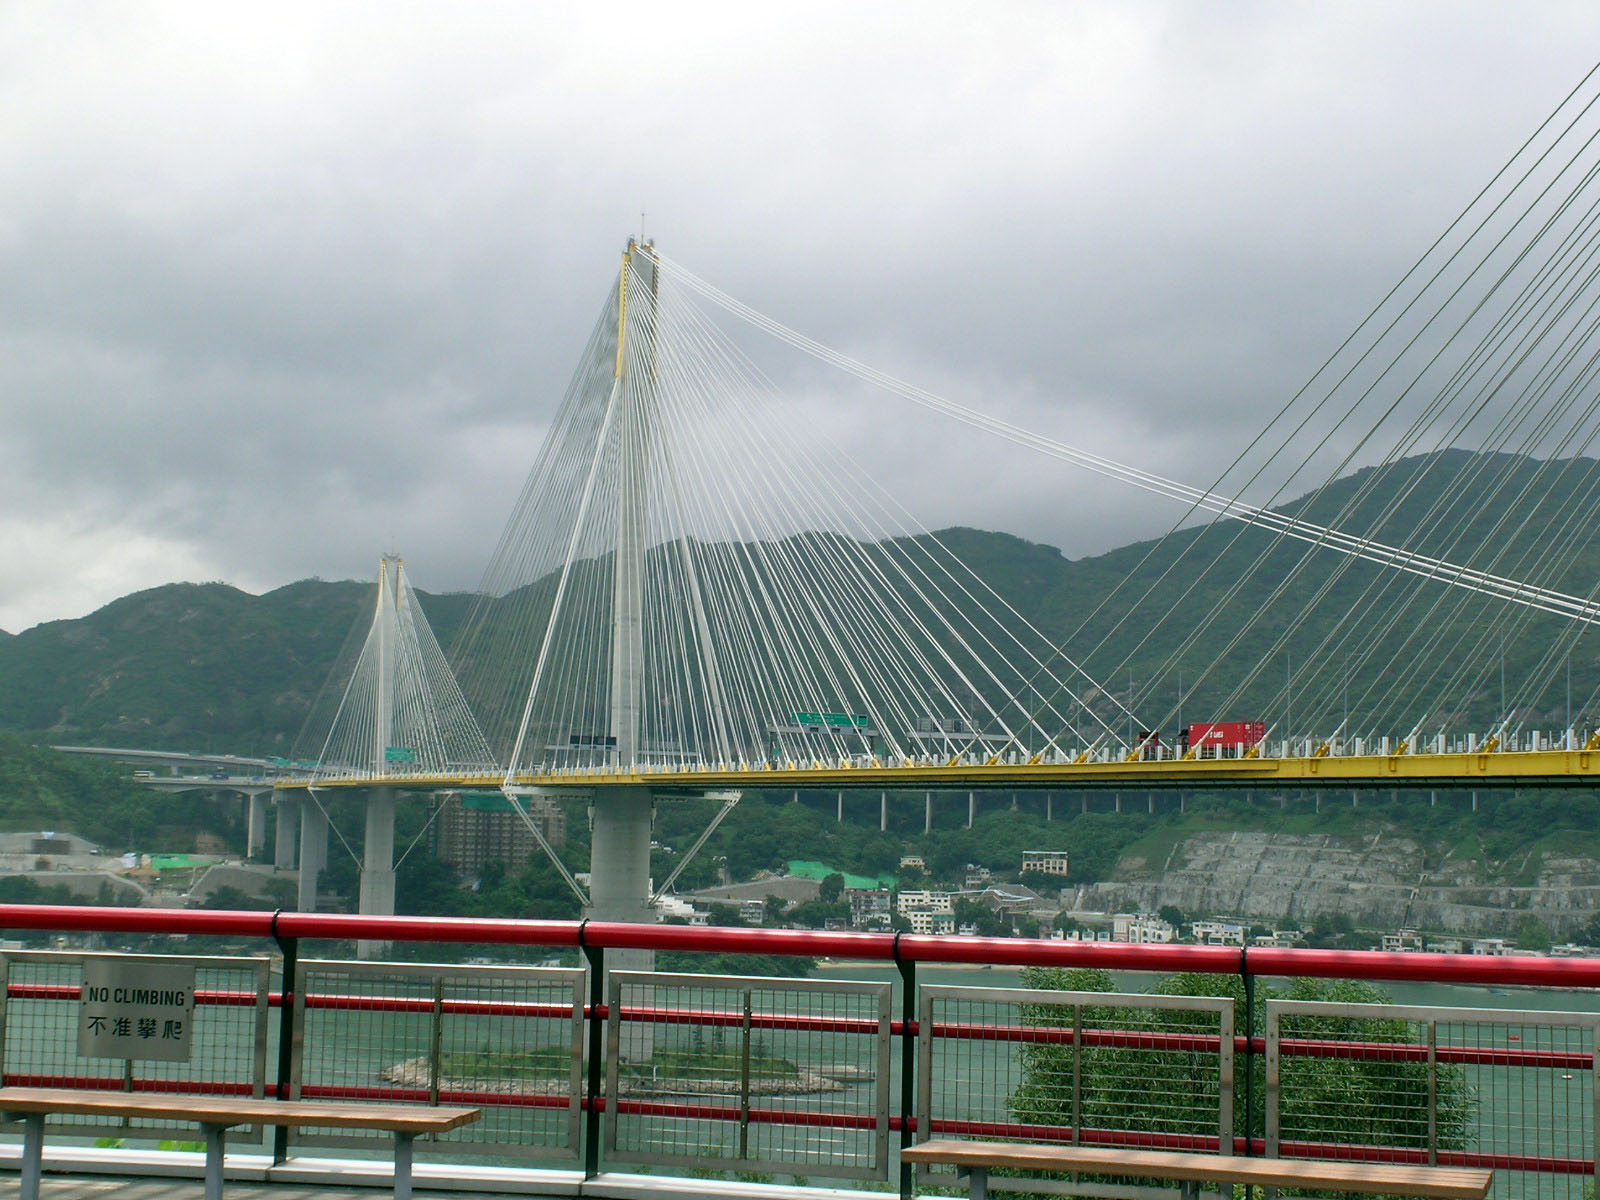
[
  {"x": 1510, "y": 1089},
  {"x": 506, "y": 1039},
  {"x": 39, "y": 1012},
  {"x": 728, "y": 1073},
  {"x": 1097, "y": 1068}
]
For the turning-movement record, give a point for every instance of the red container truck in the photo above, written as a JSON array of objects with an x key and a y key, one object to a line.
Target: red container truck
[{"x": 1226, "y": 738}]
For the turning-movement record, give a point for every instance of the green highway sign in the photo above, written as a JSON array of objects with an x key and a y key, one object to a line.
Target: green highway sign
[
  {"x": 400, "y": 754},
  {"x": 846, "y": 720}
]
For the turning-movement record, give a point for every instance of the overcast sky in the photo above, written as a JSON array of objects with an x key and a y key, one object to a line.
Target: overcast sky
[{"x": 283, "y": 287}]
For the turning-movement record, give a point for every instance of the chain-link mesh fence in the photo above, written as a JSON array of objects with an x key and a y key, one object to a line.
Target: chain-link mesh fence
[
  {"x": 1511, "y": 1090},
  {"x": 41, "y": 1008},
  {"x": 722, "y": 1073},
  {"x": 1091, "y": 1068},
  {"x": 505, "y": 1039}
]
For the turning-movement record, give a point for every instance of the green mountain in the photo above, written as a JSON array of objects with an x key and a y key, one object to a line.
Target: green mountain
[
  {"x": 200, "y": 667},
  {"x": 209, "y": 667}
]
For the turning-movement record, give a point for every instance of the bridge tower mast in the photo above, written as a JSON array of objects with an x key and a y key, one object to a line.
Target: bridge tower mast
[
  {"x": 619, "y": 888},
  {"x": 377, "y": 849}
]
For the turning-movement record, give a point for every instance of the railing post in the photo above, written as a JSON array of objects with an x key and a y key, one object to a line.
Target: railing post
[
  {"x": 596, "y": 958},
  {"x": 744, "y": 1078},
  {"x": 436, "y": 1040},
  {"x": 1077, "y": 1073},
  {"x": 908, "y": 1063},
  {"x": 1433, "y": 1093},
  {"x": 1249, "y": 1052},
  {"x": 290, "y": 949}
]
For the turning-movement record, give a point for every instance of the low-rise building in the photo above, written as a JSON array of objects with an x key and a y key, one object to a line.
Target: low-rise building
[
  {"x": 1402, "y": 941},
  {"x": 1279, "y": 939},
  {"x": 1081, "y": 935},
  {"x": 672, "y": 908},
  {"x": 928, "y": 912},
  {"x": 1218, "y": 933},
  {"x": 1141, "y": 929},
  {"x": 922, "y": 921},
  {"x": 869, "y": 910},
  {"x": 1045, "y": 862},
  {"x": 924, "y": 901}
]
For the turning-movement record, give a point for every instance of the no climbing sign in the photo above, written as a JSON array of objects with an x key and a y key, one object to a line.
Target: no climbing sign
[{"x": 136, "y": 1008}]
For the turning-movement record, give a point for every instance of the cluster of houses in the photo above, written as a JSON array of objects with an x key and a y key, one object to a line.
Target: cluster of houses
[
  {"x": 1410, "y": 941},
  {"x": 880, "y": 905}
]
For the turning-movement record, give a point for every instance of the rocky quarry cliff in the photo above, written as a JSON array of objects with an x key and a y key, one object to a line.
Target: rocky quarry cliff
[{"x": 1380, "y": 880}]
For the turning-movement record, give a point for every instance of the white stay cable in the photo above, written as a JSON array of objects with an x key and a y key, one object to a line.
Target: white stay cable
[{"x": 1426, "y": 566}]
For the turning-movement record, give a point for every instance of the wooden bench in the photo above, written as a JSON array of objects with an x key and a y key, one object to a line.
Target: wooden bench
[
  {"x": 976, "y": 1159},
  {"x": 215, "y": 1114}
]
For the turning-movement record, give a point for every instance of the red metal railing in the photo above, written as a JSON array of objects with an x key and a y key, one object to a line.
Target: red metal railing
[
  {"x": 904, "y": 950},
  {"x": 1509, "y": 971}
]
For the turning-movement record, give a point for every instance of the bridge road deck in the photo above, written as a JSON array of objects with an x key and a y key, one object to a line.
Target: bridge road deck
[{"x": 1475, "y": 769}]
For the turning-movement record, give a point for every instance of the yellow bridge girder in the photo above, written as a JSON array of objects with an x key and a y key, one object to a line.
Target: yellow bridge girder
[{"x": 1525, "y": 768}]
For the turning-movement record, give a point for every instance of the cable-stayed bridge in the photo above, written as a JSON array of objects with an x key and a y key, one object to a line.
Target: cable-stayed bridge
[{"x": 698, "y": 594}]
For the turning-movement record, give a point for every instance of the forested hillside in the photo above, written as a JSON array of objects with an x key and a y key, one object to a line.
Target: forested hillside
[
  {"x": 43, "y": 790},
  {"x": 209, "y": 667}
]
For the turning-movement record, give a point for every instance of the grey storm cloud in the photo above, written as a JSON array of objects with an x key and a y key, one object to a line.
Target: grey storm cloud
[{"x": 288, "y": 288}]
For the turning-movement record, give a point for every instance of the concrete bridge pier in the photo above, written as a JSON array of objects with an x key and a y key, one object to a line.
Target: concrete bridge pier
[
  {"x": 927, "y": 812},
  {"x": 285, "y": 826},
  {"x": 883, "y": 812},
  {"x": 377, "y": 867},
  {"x": 313, "y": 851},
  {"x": 255, "y": 824},
  {"x": 619, "y": 885}
]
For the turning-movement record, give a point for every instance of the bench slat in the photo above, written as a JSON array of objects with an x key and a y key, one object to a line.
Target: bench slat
[
  {"x": 1436, "y": 1183},
  {"x": 238, "y": 1110}
]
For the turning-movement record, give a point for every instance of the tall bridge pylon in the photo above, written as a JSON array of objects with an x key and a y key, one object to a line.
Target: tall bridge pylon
[{"x": 687, "y": 582}]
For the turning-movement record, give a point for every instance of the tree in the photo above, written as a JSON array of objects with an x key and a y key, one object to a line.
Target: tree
[
  {"x": 1122, "y": 1085},
  {"x": 1331, "y": 931},
  {"x": 1367, "y": 1100},
  {"x": 814, "y": 914},
  {"x": 1533, "y": 935},
  {"x": 981, "y": 917},
  {"x": 832, "y": 888},
  {"x": 228, "y": 897},
  {"x": 719, "y": 913},
  {"x": 1172, "y": 915}
]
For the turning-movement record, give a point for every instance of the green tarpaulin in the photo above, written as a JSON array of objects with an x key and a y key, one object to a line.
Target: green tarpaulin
[{"x": 807, "y": 869}]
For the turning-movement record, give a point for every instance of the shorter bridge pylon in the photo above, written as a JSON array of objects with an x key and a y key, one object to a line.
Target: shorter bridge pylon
[{"x": 401, "y": 715}]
